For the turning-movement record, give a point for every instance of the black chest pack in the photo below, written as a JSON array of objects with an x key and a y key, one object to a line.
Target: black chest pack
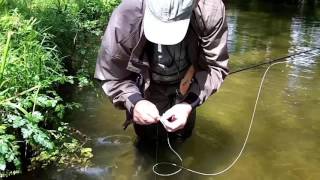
[{"x": 168, "y": 63}]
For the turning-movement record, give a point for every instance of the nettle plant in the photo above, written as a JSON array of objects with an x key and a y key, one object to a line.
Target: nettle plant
[{"x": 31, "y": 111}]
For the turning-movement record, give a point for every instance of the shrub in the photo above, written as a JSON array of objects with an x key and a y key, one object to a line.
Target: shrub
[
  {"x": 37, "y": 55},
  {"x": 30, "y": 107}
]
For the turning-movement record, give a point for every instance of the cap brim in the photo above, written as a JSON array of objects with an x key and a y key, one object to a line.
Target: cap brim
[{"x": 166, "y": 33}]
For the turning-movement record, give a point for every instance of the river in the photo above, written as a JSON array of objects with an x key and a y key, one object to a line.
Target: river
[{"x": 284, "y": 142}]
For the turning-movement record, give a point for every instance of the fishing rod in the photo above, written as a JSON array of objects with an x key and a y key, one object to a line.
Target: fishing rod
[
  {"x": 272, "y": 61},
  {"x": 185, "y": 82}
]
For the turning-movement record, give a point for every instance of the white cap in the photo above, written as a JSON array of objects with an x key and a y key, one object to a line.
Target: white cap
[{"x": 166, "y": 21}]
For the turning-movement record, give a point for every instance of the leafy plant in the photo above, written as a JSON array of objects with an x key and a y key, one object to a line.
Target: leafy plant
[
  {"x": 37, "y": 56},
  {"x": 30, "y": 107}
]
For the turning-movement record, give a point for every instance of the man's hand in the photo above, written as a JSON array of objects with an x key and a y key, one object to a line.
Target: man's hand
[
  {"x": 145, "y": 113},
  {"x": 176, "y": 117}
]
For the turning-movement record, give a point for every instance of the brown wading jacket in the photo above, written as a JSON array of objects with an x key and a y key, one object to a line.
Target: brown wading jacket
[{"x": 122, "y": 60}]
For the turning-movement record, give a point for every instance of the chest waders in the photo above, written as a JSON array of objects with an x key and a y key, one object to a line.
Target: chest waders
[{"x": 168, "y": 66}]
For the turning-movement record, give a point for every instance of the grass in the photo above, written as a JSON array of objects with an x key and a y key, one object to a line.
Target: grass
[
  {"x": 42, "y": 46},
  {"x": 5, "y": 57}
]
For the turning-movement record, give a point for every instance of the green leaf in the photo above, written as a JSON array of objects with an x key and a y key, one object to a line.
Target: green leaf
[
  {"x": 46, "y": 101},
  {"x": 13, "y": 118},
  {"x": 86, "y": 152},
  {"x": 35, "y": 117},
  {"x": 43, "y": 140},
  {"x": 3, "y": 147},
  {"x": 70, "y": 79},
  {"x": 18, "y": 124},
  {"x": 2, "y": 129},
  {"x": 26, "y": 133},
  {"x": 60, "y": 109},
  {"x": 62, "y": 128},
  {"x": 83, "y": 81},
  {"x": 2, "y": 164},
  {"x": 10, "y": 157},
  {"x": 17, "y": 162}
]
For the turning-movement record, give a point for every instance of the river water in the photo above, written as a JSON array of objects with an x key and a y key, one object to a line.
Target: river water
[{"x": 285, "y": 139}]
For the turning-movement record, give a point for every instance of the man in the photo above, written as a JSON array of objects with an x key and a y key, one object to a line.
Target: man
[{"x": 160, "y": 59}]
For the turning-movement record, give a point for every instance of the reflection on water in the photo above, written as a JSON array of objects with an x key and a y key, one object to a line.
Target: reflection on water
[
  {"x": 113, "y": 140},
  {"x": 285, "y": 139}
]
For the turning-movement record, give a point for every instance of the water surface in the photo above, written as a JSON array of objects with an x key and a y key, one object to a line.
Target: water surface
[{"x": 285, "y": 139}]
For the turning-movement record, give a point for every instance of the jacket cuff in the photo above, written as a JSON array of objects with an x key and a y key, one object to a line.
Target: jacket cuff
[
  {"x": 192, "y": 99},
  {"x": 133, "y": 100}
]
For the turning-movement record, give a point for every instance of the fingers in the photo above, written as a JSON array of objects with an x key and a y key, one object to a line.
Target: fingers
[
  {"x": 145, "y": 113},
  {"x": 154, "y": 113},
  {"x": 167, "y": 115},
  {"x": 173, "y": 126},
  {"x": 144, "y": 119},
  {"x": 176, "y": 122}
]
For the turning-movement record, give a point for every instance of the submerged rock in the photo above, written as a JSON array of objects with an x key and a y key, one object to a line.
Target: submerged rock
[
  {"x": 114, "y": 140},
  {"x": 94, "y": 171},
  {"x": 97, "y": 173}
]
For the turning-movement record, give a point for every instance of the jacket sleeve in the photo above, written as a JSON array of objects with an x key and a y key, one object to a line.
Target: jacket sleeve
[
  {"x": 211, "y": 68},
  {"x": 119, "y": 84}
]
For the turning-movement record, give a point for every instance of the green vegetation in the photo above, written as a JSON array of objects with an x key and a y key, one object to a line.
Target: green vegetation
[{"x": 44, "y": 45}]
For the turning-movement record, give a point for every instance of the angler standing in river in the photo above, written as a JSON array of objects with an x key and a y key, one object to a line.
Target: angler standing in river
[{"x": 160, "y": 60}]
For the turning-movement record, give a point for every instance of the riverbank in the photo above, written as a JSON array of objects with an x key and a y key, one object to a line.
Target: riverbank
[{"x": 44, "y": 47}]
